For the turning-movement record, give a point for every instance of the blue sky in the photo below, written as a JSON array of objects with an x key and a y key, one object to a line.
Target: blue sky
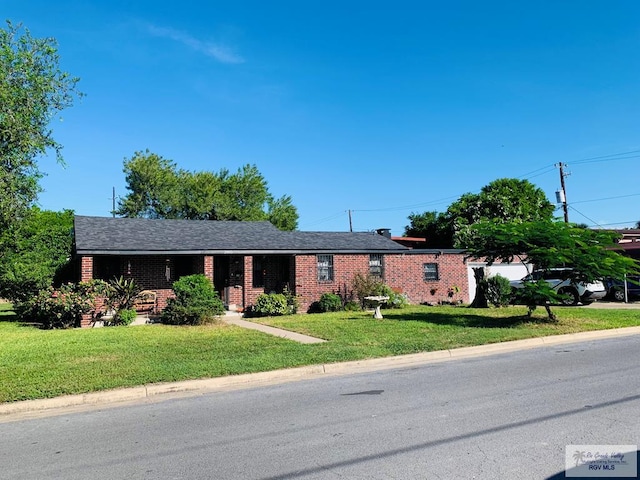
[{"x": 381, "y": 108}]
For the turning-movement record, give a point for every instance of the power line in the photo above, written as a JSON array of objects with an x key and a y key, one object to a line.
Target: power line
[
  {"x": 618, "y": 223},
  {"x": 535, "y": 173},
  {"x": 582, "y": 214},
  {"x": 607, "y": 198},
  {"x": 326, "y": 219},
  {"x": 608, "y": 158}
]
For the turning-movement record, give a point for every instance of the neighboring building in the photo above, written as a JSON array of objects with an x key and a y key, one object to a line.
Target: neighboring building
[
  {"x": 630, "y": 242},
  {"x": 245, "y": 259}
]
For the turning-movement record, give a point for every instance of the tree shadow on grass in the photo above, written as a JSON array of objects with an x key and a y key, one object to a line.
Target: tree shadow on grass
[
  {"x": 464, "y": 319},
  {"x": 8, "y": 316}
]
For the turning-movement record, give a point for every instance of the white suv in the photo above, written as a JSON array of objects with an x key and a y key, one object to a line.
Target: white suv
[{"x": 562, "y": 280}]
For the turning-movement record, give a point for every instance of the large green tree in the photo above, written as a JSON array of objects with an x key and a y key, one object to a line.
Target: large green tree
[
  {"x": 36, "y": 253},
  {"x": 433, "y": 226},
  {"x": 159, "y": 189},
  {"x": 33, "y": 90},
  {"x": 503, "y": 200},
  {"x": 592, "y": 254}
]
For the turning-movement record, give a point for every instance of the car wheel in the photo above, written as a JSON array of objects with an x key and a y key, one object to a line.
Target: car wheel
[
  {"x": 618, "y": 295},
  {"x": 569, "y": 296}
]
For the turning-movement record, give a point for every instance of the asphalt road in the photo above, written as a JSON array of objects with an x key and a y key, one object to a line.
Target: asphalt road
[{"x": 507, "y": 416}]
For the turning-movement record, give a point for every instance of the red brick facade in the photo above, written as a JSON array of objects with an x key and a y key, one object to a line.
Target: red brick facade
[
  {"x": 234, "y": 275},
  {"x": 402, "y": 272}
]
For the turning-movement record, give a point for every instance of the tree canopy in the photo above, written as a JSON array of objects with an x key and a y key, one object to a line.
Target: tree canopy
[
  {"x": 591, "y": 254},
  {"x": 503, "y": 200},
  {"x": 33, "y": 90},
  {"x": 36, "y": 253},
  {"x": 159, "y": 189}
]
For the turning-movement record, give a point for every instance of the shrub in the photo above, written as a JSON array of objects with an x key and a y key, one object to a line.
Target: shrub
[
  {"x": 271, "y": 304},
  {"x": 397, "y": 300},
  {"x": 196, "y": 302},
  {"x": 367, "y": 285},
  {"x": 498, "y": 290},
  {"x": 61, "y": 308},
  {"x": 352, "y": 306},
  {"x": 121, "y": 294},
  {"x": 123, "y": 317},
  {"x": 292, "y": 300},
  {"x": 330, "y": 302}
]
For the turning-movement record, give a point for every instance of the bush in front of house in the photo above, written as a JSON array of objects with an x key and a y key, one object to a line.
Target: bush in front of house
[
  {"x": 121, "y": 293},
  {"x": 396, "y": 300},
  {"x": 367, "y": 286},
  {"x": 372, "y": 286},
  {"x": 498, "y": 290},
  {"x": 352, "y": 306},
  {"x": 270, "y": 305},
  {"x": 62, "y": 307},
  {"x": 195, "y": 303},
  {"x": 329, "y": 302},
  {"x": 292, "y": 300},
  {"x": 122, "y": 317}
]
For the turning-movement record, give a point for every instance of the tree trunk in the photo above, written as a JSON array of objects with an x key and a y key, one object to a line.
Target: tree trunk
[
  {"x": 552, "y": 316},
  {"x": 480, "y": 300}
]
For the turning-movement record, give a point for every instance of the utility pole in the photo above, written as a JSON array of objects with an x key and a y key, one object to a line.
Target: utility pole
[
  {"x": 350, "y": 223},
  {"x": 113, "y": 202},
  {"x": 562, "y": 197}
]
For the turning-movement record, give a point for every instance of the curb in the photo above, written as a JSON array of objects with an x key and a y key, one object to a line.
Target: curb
[{"x": 153, "y": 391}]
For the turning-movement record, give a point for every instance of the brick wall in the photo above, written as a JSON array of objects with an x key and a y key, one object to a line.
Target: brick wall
[
  {"x": 402, "y": 272},
  {"x": 405, "y": 273}
]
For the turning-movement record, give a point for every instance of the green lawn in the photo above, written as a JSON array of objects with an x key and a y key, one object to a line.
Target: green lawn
[
  {"x": 45, "y": 363},
  {"x": 6, "y": 312}
]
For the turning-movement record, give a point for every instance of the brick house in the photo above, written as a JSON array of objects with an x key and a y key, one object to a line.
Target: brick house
[{"x": 245, "y": 259}]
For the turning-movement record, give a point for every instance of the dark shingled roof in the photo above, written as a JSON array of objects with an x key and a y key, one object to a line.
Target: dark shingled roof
[{"x": 113, "y": 236}]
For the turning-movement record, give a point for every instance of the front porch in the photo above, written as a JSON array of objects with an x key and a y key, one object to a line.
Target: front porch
[{"x": 238, "y": 279}]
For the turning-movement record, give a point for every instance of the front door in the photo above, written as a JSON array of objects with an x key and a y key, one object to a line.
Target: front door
[{"x": 221, "y": 276}]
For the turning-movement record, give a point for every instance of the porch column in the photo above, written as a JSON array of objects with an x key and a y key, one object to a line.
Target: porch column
[
  {"x": 86, "y": 269},
  {"x": 86, "y": 274},
  {"x": 208, "y": 267}
]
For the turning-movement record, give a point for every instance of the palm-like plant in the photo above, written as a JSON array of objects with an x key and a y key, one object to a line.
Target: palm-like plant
[{"x": 121, "y": 293}]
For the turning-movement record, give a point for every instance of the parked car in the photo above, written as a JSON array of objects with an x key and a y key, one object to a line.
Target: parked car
[
  {"x": 564, "y": 282},
  {"x": 615, "y": 288}
]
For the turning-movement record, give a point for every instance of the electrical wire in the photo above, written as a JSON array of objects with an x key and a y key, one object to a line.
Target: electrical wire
[
  {"x": 582, "y": 214},
  {"x": 606, "y": 198},
  {"x": 533, "y": 174}
]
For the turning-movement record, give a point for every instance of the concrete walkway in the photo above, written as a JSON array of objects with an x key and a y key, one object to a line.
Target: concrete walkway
[{"x": 233, "y": 318}]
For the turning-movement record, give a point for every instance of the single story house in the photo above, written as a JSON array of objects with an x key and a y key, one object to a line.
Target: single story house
[{"x": 246, "y": 259}]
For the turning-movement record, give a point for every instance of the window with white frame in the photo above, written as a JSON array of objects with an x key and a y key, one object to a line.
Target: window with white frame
[
  {"x": 376, "y": 265},
  {"x": 430, "y": 272},
  {"x": 325, "y": 268}
]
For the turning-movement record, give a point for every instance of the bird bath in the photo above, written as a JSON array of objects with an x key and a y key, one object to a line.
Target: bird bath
[{"x": 377, "y": 302}]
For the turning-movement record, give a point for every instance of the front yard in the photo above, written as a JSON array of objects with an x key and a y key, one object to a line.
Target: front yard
[{"x": 38, "y": 363}]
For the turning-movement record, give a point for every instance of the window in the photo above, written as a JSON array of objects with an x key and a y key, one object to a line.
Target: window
[
  {"x": 430, "y": 272},
  {"x": 259, "y": 265},
  {"x": 375, "y": 265},
  {"x": 325, "y": 268}
]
